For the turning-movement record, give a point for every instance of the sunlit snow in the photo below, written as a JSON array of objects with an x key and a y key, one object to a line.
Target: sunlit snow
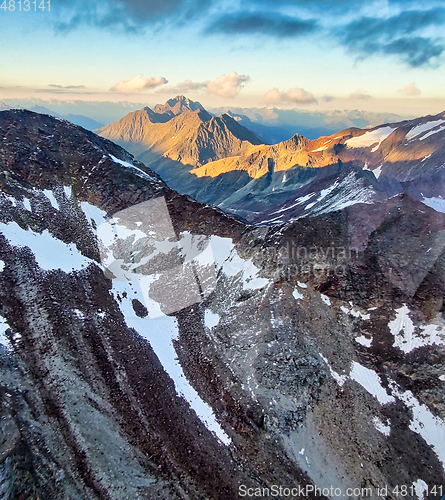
[{"x": 370, "y": 138}]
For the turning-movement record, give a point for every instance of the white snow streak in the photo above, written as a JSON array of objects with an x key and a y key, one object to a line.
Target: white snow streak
[
  {"x": 161, "y": 332},
  {"x": 371, "y": 382},
  {"x": 138, "y": 171},
  {"x": 50, "y": 195},
  {"x": 420, "y": 129}
]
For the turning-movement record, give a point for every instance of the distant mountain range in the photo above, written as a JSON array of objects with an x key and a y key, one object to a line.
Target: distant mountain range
[
  {"x": 220, "y": 162},
  {"x": 274, "y": 125},
  {"x": 80, "y": 120}
]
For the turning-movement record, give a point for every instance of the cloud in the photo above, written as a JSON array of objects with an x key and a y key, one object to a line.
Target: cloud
[
  {"x": 129, "y": 15},
  {"x": 360, "y": 94},
  {"x": 328, "y": 98},
  {"x": 264, "y": 24},
  {"x": 66, "y": 87},
  {"x": 227, "y": 85},
  {"x": 416, "y": 51},
  {"x": 295, "y": 96},
  {"x": 411, "y": 90},
  {"x": 138, "y": 83},
  {"x": 396, "y": 35},
  {"x": 185, "y": 87}
]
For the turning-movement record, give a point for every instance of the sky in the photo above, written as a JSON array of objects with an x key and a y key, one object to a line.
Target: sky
[{"x": 378, "y": 55}]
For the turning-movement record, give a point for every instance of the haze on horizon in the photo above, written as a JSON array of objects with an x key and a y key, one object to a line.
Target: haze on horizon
[{"x": 382, "y": 56}]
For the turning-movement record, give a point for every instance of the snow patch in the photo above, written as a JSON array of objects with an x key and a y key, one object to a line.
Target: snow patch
[
  {"x": 369, "y": 138},
  {"x": 297, "y": 295},
  {"x": 438, "y": 204},
  {"x": 301, "y": 285},
  {"x": 381, "y": 427},
  {"x": 322, "y": 148},
  {"x": 50, "y": 195},
  {"x": 430, "y": 427},
  {"x": 325, "y": 192},
  {"x": 27, "y": 204},
  {"x": 138, "y": 171},
  {"x": 340, "y": 379},
  {"x": 356, "y": 314},
  {"x": 50, "y": 253},
  {"x": 420, "y": 488},
  {"x": 432, "y": 133},
  {"x": 364, "y": 341},
  {"x": 211, "y": 319},
  {"x": 371, "y": 382},
  {"x": 405, "y": 338},
  {"x": 93, "y": 213},
  {"x": 420, "y": 129},
  {"x": 377, "y": 171},
  {"x": 2, "y": 265},
  {"x": 227, "y": 259},
  {"x": 4, "y": 341},
  {"x": 325, "y": 299},
  {"x": 79, "y": 313},
  {"x": 298, "y": 201}
]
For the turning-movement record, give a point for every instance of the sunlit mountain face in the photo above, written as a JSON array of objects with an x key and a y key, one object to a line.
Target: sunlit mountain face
[{"x": 222, "y": 250}]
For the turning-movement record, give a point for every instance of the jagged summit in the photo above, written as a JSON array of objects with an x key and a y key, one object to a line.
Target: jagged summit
[
  {"x": 180, "y": 130},
  {"x": 178, "y": 105}
]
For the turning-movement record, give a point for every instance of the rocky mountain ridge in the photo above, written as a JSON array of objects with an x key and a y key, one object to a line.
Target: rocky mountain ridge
[
  {"x": 182, "y": 131},
  {"x": 277, "y": 183}
]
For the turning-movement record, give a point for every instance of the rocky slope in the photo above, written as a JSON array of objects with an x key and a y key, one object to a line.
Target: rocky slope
[{"x": 154, "y": 347}]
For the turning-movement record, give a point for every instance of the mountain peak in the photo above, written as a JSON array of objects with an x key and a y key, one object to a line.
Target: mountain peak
[{"x": 178, "y": 105}]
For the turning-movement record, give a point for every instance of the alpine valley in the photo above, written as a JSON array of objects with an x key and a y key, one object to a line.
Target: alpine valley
[{"x": 206, "y": 315}]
